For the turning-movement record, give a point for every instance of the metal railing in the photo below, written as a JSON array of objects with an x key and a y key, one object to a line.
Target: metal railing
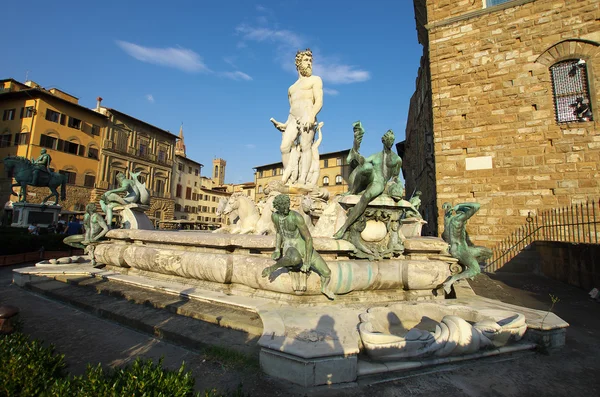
[{"x": 578, "y": 223}]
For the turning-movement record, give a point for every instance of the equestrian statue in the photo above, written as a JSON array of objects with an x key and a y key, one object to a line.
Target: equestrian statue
[{"x": 35, "y": 172}]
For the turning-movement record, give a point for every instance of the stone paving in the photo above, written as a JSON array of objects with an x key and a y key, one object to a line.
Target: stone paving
[{"x": 84, "y": 338}]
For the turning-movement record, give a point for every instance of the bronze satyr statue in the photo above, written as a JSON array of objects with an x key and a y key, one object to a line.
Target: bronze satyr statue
[
  {"x": 294, "y": 245},
  {"x": 369, "y": 175},
  {"x": 455, "y": 234},
  {"x": 95, "y": 229}
]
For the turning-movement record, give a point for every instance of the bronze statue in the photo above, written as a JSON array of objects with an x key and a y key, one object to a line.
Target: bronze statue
[
  {"x": 455, "y": 234},
  {"x": 95, "y": 229},
  {"x": 41, "y": 164},
  {"x": 35, "y": 173},
  {"x": 369, "y": 175},
  {"x": 136, "y": 194},
  {"x": 294, "y": 245}
]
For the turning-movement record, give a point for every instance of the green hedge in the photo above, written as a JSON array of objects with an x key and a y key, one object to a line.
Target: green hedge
[
  {"x": 17, "y": 240},
  {"x": 28, "y": 369}
]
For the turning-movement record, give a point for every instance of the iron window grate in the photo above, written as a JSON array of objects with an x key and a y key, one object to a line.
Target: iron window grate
[{"x": 571, "y": 91}]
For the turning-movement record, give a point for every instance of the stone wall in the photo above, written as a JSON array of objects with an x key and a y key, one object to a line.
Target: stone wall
[
  {"x": 492, "y": 103},
  {"x": 575, "y": 264},
  {"x": 418, "y": 166}
]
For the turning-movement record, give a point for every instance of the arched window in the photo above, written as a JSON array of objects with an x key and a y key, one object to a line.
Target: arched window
[
  {"x": 260, "y": 189},
  {"x": 216, "y": 171},
  {"x": 571, "y": 91},
  {"x": 93, "y": 152},
  {"x": 325, "y": 181},
  {"x": 338, "y": 180}
]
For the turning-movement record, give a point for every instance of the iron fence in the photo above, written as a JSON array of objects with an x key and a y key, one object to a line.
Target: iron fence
[{"x": 577, "y": 223}]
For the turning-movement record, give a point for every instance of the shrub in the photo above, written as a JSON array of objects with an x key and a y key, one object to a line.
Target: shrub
[
  {"x": 28, "y": 368},
  {"x": 142, "y": 378}
]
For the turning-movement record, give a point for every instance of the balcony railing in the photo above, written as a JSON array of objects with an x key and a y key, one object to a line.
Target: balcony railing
[{"x": 134, "y": 152}]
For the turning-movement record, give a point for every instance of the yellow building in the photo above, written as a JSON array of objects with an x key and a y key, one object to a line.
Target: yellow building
[
  {"x": 333, "y": 173},
  {"x": 210, "y": 195},
  {"x": 133, "y": 145},
  {"x": 34, "y": 118},
  {"x": 187, "y": 184}
]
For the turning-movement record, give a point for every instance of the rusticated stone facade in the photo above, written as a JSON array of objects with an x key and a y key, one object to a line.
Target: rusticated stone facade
[{"x": 496, "y": 137}]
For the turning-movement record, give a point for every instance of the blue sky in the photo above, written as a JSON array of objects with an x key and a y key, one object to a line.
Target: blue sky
[{"x": 223, "y": 67}]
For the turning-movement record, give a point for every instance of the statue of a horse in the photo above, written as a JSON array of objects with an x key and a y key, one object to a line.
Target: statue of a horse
[
  {"x": 232, "y": 217},
  {"x": 247, "y": 212},
  {"x": 249, "y": 219},
  {"x": 21, "y": 169}
]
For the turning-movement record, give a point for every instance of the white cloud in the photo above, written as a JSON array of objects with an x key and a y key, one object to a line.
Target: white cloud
[
  {"x": 237, "y": 75},
  {"x": 330, "y": 91},
  {"x": 230, "y": 61},
  {"x": 150, "y": 98},
  {"x": 281, "y": 37},
  {"x": 330, "y": 69},
  {"x": 250, "y": 146},
  {"x": 179, "y": 58},
  {"x": 335, "y": 73}
]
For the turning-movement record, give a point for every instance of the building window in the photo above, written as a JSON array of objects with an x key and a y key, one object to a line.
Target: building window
[
  {"x": 188, "y": 193},
  {"x": 52, "y": 116},
  {"x": 338, "y": 161},
  {"x": 74, "y": 123},
  {"x": 325, "y": 163},
  {"x": 21, "y": 138},
  {"x": 338, "y": 180},
  {"x": 70, "y": 147},
  {"x": 178, "y": 191},
  {"x": 180, "y": 167},
  {"x": 143, "y": 148},
  {"x": 491, "y": 3},
  {"x": 162, "y": 155},
  {"x": 189, "y": 170},
  {"x": 93, "y": 153},
  {"x": 160, "y": 186},
  {"x": 274, "y": 172},
  {"x": 260, "y": 174},
  {"x": 9, "y": 114},
  {"x": 158, "y": 215},
  {"x": 95, "y": 129},
  {"x": 71, "y": 176},
  {"x": 213, "y": 210},
  {"x": 177, "y": 207},
  {"x": 89, "y": 181},
  {"x": 260, "y": 189},
  {"x": 27, "y": 112},
  {"x": 196, "y": 172},
  {"x": 5, "y": 140},
  {"x": 325, "y": 181},
  {"x": 216, "y": 171},
  {"x": 571, "y": 91},
  {"x": 48, "y": 141}
]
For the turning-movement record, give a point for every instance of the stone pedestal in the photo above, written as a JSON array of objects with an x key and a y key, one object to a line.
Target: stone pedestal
[
  {"x": 24, "y": 214},
  {"x": 377, "y": 233},
  {"x": 133, "y": 217},
  {"x": 411, "y": 227}
]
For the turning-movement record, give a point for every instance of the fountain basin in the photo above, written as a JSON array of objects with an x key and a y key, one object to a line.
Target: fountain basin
[{"x": 410, "y": 331}]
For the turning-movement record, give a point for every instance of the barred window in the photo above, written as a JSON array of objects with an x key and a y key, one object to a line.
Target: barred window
[{"x": 571, "y": 91}]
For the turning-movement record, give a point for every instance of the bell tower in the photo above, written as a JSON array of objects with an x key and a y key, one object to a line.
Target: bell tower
[{"x": 218, "y": 174}]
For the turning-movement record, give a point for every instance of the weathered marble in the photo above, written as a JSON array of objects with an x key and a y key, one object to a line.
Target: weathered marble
[{"x": 410, "y": 330}]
